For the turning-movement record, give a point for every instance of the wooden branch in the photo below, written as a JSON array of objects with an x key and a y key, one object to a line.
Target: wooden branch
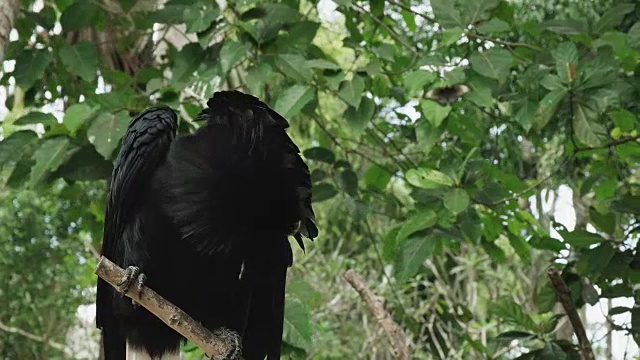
[
  {"x": 34, "y": 337},
  {"x": 375, "y": 304},
  {"x": 221, "y": 344},
  {"x": 564, "y": 296}
]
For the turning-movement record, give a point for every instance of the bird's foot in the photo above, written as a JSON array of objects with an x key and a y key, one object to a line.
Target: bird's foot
[{"x": 131, "y": 273}]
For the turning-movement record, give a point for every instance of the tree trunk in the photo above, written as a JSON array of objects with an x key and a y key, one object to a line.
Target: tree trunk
[{"x": 8, "y": 12}]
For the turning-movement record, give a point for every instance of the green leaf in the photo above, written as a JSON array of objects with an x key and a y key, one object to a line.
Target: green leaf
[
  {"x": 351, "y": 91},
  {"x": 293, "y": 99},
  {"x": 421, "y": 220},
  {"x": 359, "y": 118},
  {"x": 434, "y": 112},
  {"x": 14, "y": 145},
  {"x": 594, "y": 261},
  {"x": 450, "y": 36},
  {"x": 417, "y": 80},
  {"x": 297, "y": 324},
  {"x": 513, "y": 335},
  {"x": 552, "y": 82},
  {"x": 321, "y": 64},
  {"x": 604, "y": 222},
  {"x": 428, "y": 178},
  {"x": 376, "y": 178},
  {"x": 294, "y": 66},
  {"x": 427, "y": 135},
  {"x": 106, "y": 130},
  {"x": 521, "y": 247},
  {"x": 80, "y": 59},
  {"x": 322, "y": 192},
  {"x": 582, "y": 238},
  {"x": 494, "y": 63},
  {"x": 445, "y": 13},
  {"x": 320, "y": 154},
  {"x": 493, "y": 26},
  {"x": 547, "y": 243},
  {"x": 566, "y": 58},
  {"x": 45, "y": 18},
  {"x": 30, "y": 66},
  {"x": 513, "y": 313},
  {"x": 613, "y": 17},
  {"x": 619, "y": 310},
  {"x": 348, "y": 181},
  {"x": 623, "y": 119},
  {"x": 495, "y": 252},
  {"x": 567, "y": 27},
  {"x": 526, "y": 115},
  {"x": 456, "y": 200},
  {"x": 79, "y": 15},
  {"x": 586, "y": 127},
  {"x": 633, "y": 36},
  {"x": 552, "y": 351},
  {"x": 37, "y": 117},
  {"x": 200, "y": 15},
  {"x": 590, "y": 294},
  {"x": 86, "y": 165},
  {"x": 390, "y": 244},
  {"x": 48, "y": 157},
  {"x": 480, "y": 94},
  {"x": 547, "y": 108},
  {"x": 411, "y": 255},
  {"x": 76, "y": 115},
  {"x": 230, "y": 54}
]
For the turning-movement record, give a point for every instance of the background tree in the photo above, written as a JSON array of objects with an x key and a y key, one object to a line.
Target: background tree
[{"x": 451, "y": 205}]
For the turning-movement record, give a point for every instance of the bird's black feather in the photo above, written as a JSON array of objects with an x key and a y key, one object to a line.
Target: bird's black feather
[{"x": 206, "y": 217}]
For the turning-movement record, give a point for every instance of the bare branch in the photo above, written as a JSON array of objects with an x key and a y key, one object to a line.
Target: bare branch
[
  {"x": 28, "y": 335},
  {"x": 564, "y": 296},
  {"x": 375, "y": 304},
  {"x": 221, "y": 344}
]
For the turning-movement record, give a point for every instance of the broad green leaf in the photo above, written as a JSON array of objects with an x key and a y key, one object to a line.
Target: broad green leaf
[
  {"x": 376, "y": 177},
  {"x": 604, "y": 222},
  {"x": 446, "y": 14},
  {"x": 593, "y": 261},
  {"x": 480, "y": 95},
  {"x": 411, "y": 255},
  {"x": 623, "y": 119},
  {"x": 76, "y": 115},
  {"x": 230, "y": 54},
  {"x": 456, "y": 200},
  {"x": 566, "y": 58},
  {"x": 526, "y": 115},
  {"x": 613, "y": 17},
  {"x": 567, "y": 27},
  {"x": 547, "y": 243},
  {"x": 589, "y": 293},
  {"x": 45, "y": 17},
  {"x": 106, "y": 130},
  {"x": 351, "y": 91},
  {"x": 293, "y": 99},
  {"x": 582, "y": 238},
  {"x": 390, "y": 244},
  {"x": 359, "y": 118},
  {"x": 294, "y": 66},
  {"x": 547, "y": 107},
  {"x": 320, "y": 154},
  {"x": 494, "y": 63},
  {"x": 86, "y": 165},
  {"x": 521, "y": 247},
  {"x": 80, "y": 59},
  {"x": 186, "y": 61},
  {"x": 297, "y": 324},
  {"x": 14, "y": 145},
  {"x": 348, "y": 181},
  {"x": 30, "y": 66},
  {"x": 322, "y": 191},
  {"x": 321, "y": 64},
  {"x": 474, "y": 11},
  {"x": 586, "y": 127},
  {"x": 493, "y": 26},
  {"x": 428, "y": 178},
  {"x": 48, "y": 157},
  {"x": 427, "y": 135},
  {"x": 377, "y": 7},
  {"x": 552, "y": 82},
  {"x": 37, "y": 117},
  {"x": 495, "y": 252},
  {"x": 633, "y": 36},
  {"x": 79, "y": 15},
  {"x": 417, "y": 80},
  {"x": 513, "y": 313},
  {"x": 512, "y": 335},
  {"x": 419, "y": 221},
  {"x": 627, "y": 204},
  {"x": 200, "y": 15},
  {"x": 450, "y": 36},
  {"x": 302, "y": 290},
  {"x": 434, "y": 112},
  {"x": 552, "y": 351}
]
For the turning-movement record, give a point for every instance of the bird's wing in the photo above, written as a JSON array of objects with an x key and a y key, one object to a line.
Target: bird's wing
[{"x": 144, "y": 147}]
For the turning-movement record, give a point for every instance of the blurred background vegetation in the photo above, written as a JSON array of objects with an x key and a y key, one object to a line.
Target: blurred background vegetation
[{"x": 451, "y": 201}]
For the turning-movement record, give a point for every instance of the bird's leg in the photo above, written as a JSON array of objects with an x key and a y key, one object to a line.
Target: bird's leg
[{"x": 131, "y": 273}]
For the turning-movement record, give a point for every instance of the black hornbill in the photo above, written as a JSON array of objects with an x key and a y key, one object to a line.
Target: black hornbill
[{"x": 204, "y": 220}]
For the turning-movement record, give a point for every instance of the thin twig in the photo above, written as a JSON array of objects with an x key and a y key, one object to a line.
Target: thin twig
[
  {"x": 28, "y": 335},
  {"x": 564, "y": 296},
  {"x": 375, "y": 304},
  {"x": 221, "y": 344},
  {"x": 503, "y": 42},
  {"x": 386, "y": 27}
]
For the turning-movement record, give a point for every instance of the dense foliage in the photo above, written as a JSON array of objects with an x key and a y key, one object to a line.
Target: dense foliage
[{"x": 445, "y": 202}]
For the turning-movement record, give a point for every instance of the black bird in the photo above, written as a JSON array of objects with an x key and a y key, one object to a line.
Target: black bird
[{"x": 204, "y": 220}]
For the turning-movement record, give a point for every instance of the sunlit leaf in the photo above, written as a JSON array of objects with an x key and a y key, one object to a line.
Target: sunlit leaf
[{"x": 106, "y": 130}]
